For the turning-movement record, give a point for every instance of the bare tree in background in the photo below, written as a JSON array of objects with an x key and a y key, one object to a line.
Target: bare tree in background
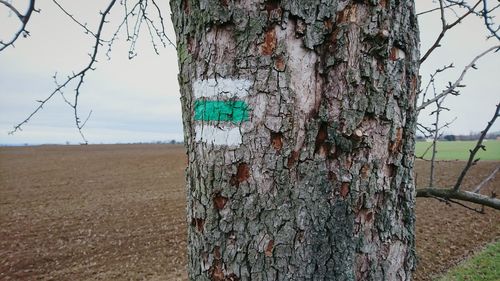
[{"x": 309, "y": 162}]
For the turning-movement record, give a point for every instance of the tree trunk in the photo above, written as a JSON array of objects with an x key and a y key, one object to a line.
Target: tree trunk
[{"x": 299, "y": 120}]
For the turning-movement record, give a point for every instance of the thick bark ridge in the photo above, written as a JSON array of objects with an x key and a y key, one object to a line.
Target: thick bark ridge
[{"x": 299, "y": 120}]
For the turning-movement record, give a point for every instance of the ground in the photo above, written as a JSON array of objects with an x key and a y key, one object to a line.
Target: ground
[{"x": 117, "y": 212}]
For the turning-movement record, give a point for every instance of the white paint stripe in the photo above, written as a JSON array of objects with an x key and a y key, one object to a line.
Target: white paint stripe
[
  {"x": 218, "y": 136},
  {"x": 221, "y": 87}
]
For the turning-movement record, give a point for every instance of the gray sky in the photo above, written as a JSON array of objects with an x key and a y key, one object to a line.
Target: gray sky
[{"x": 138, "y": 100}]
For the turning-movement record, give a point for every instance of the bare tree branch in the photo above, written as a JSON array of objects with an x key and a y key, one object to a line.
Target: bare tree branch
[
  {"x": 438, "y": 133},
  {"x": 487, "y": 179},
  {"x": 432, "y": 80},
  {"x": 459, "y": 195},
  {"x": 78, "y": 77},
  {"x": 162, "y": 24},
  {"x": 436, "y": 9},
  {"x": 478, "y": 146},
  {"x": 424, "y": 153},
  {"x": 139, "y": 14},
  {"x": 437, "y": 114},
  {"x": 451, "y": 89},
  {"x": 446, "y": 27},
  {"x": 84, "y": 26},
  {"x": 487, "y": 20},
  {"x": 481, "y": 211},
  {"x": 24, "y": 22}
]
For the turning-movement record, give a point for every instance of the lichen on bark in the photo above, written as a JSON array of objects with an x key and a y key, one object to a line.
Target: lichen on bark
[{"x": 320, "y": 184}]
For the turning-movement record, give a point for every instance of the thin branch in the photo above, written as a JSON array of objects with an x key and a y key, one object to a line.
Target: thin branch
[
  {"x": 480, "y": 211},
  {"x": 450, "y": 201},
  {"x": 162, "y": 24},
  {"x": 445, "y": 27},
  {"x": 437, "y": 136},
  {"x": 24, "y": 22},
  {"x": 125, "y": 22},
  {"x": 139, "y": 15},
  {"x": 452, "y": 88},
  {"x": 435, "y": 9},
  {"x": 84, "y": 26},
  {"x": 467, "y": 196},
  {"x": 136, "y": 32},
  {"x": 433, "y": 78},
  {"x": 487, "y": 179},
  {"x": 473, "y": 152},
  {"x": 425, "y": 152},
  {"x": 435, "y": 139},
  {"x": 443, "y": 18},
  {"x": 79, "y": 77},
  {"x": 487, "y": 22},
  {"x": 132, "y": 22}
]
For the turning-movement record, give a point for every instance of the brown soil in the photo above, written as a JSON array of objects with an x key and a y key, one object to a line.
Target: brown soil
[
  {"x": 448, "y": 234},
  {"x": 117, "y": 212}
]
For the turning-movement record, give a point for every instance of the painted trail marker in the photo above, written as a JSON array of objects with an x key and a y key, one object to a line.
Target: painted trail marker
[
  {"x": 230, "y": 88},
  {"x": 230, "y": 111},
  {"x": 218, "y": 136},
  {"x": 219, "y": 109}
]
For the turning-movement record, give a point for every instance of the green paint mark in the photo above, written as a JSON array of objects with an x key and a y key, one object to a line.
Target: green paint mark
[{"x": 232, "y": 111}]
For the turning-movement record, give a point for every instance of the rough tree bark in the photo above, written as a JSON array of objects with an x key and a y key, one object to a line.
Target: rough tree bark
[{"x": 299, "y": 120}]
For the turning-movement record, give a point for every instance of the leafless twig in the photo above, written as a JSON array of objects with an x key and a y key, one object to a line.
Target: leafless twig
[
  {"x": 432, "y": 81},
  {"x": 452, "y": 88},
  {"x": 438, "y": 133},
  {"x": 445, "y": 27},
  {"x": 488, "y": 20},
  {"x": 436, "y": 9},
  {"x": 24, "y": 18},
  {"x": 487, "y": 179},
  {"x": 78, "y": 77},
  {"x": 480, "y": 211},
  {"x": 479, "y": 145},
  {"x": 424, "y": 153},
  {"x": 134, "y": 18},
  {"x": 84, "y": 26},
  {"x": 139, "y": 14}
]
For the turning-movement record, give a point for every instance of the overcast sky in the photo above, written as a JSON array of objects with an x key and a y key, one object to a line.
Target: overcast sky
[{"x": 138, "y": 100}]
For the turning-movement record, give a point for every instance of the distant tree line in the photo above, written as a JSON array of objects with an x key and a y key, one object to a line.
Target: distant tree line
[{"x": 470, "y": 137}]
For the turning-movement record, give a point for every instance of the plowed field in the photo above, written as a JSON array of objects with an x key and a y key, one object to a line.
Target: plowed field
[{"x": 117, "y": 212}]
